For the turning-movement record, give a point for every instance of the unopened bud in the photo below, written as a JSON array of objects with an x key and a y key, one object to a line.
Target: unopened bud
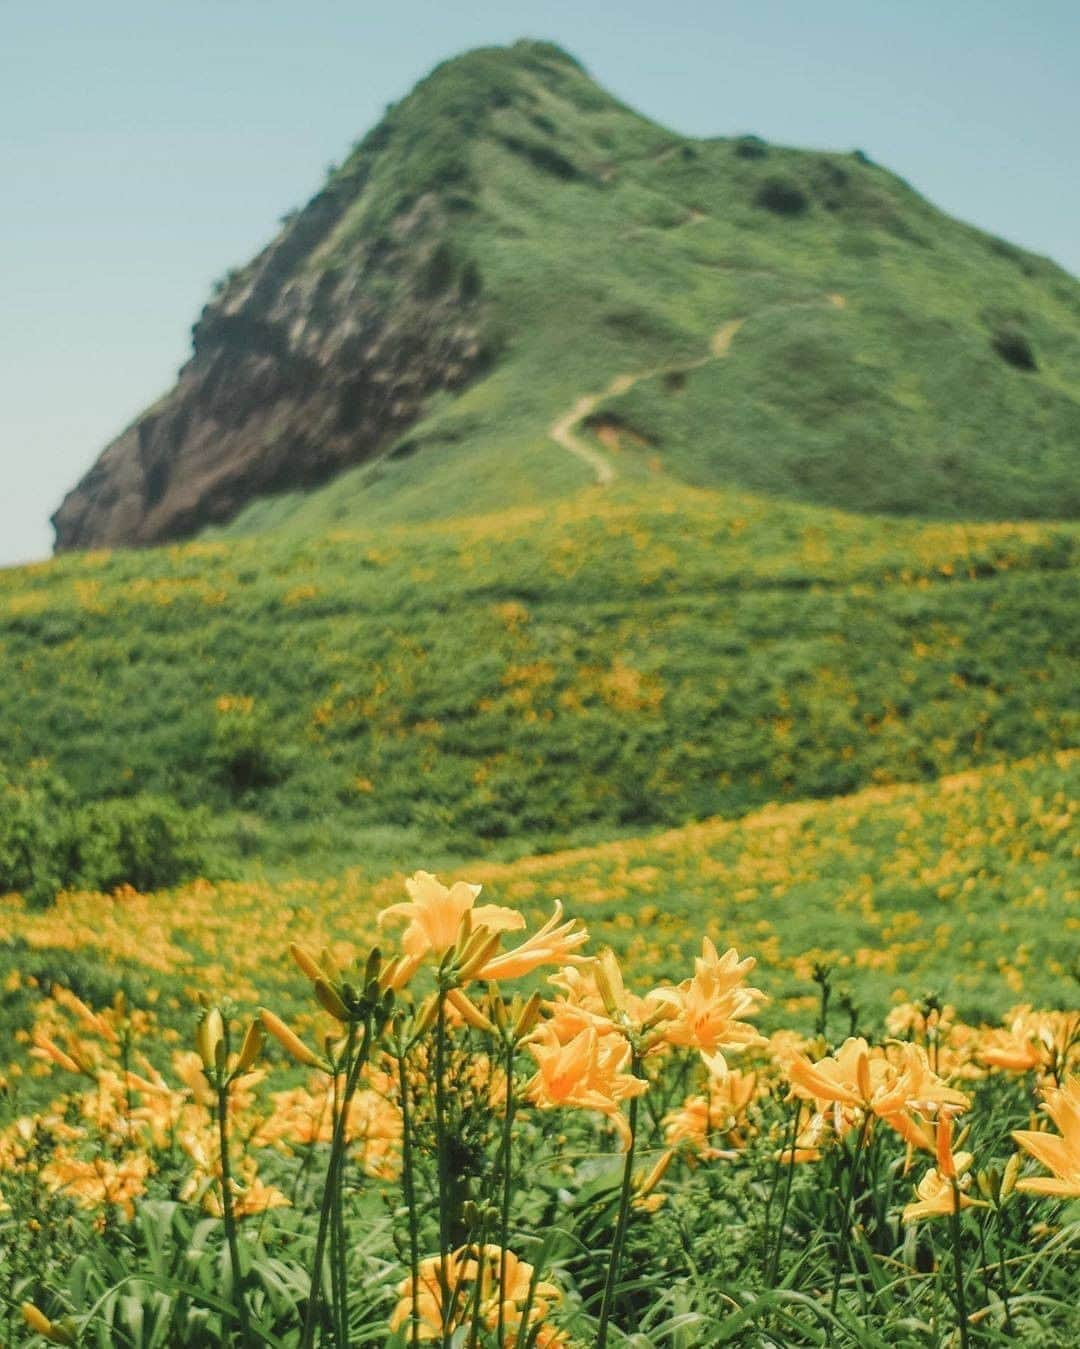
[
  {"x": 468, "y": 1011},
  {"x": 250, "y": 1049},
  {"x": 210, "y": 1038},
  {"x": 288, "y": 1039},
  {"x": 656, "y": 1175},
  {"x": 330, "y": 1000},
  {"x": 1012, "y": 1170},
  {"x": 478, "y": 953},
  {"x": 608, "y": 978},
  {"x": 306, "y": 961},
  {"x": 54, "y": 1332},
  {"x": 426, "y": 1015},
  {"x": 529, "y": 1016}
]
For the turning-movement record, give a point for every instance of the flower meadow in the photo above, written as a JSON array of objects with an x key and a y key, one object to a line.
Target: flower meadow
[{"x": 486, "y": 1131}]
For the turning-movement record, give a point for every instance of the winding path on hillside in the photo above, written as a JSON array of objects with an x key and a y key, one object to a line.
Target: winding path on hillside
[{"x": 563, "y": 431}]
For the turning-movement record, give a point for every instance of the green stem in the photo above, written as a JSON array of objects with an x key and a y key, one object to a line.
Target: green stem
[
  {"x": 789, "y": 1179},
  {"x": 849, "y": 1214},
  {"x": 335, "y": 1288},
  {"x": 408, "y": 1184},
  {"x": 443, "y": 1164},
  {"x": 1002, "y": 1271},
  {"x": 337, "y": 1148},
  {"x": 621, "y": 1222},
  {"x": 507, "y": 1178},
  {"x": 958, "y": 1264},
  {"x": 227, "y": 1213}
]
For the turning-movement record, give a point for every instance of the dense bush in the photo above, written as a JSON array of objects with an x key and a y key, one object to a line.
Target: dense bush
[
  {"x": 50, "y": 842},
  {"x": 33, "y": 842},
  {"x": 1013, "y": 346},
  {"x": 783, "y": 196},
  {"x": 751, "y": 147}
]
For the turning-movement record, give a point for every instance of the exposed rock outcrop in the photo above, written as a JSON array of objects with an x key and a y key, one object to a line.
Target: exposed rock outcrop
[{"x": 313, "y": 358}]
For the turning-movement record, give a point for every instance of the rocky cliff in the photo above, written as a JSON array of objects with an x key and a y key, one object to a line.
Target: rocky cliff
[{"x": 297, "y": 371}]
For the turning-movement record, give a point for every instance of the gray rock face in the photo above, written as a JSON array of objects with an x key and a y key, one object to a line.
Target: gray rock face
[{"x": 313, "y": 358}]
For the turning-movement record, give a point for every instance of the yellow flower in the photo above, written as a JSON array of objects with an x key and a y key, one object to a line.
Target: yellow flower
[
  {"x": 464, "y": 1267},
  {"x": 1058, "y": 1153},
  {"x": 434, "y": 914},
  {"x": 588, "y": 1073},
  {"x": 889, "y": 1084},
  {"x": 595, "y": 996},
  {"x": 700, "y": 1118},
  {"x": 711, "y": 1006},
  {"x": 99, "y": 1182},
  {"x": 1032, "y": 1041},
  {"x": 941, "y": 1190},
  {"x": 554, "y": 942}
]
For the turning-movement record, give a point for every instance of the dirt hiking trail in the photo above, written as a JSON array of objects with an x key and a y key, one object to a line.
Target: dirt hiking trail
[{"x": 563, "y": 431}]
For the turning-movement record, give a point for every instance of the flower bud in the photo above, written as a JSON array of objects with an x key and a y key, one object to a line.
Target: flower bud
[
  {"x": 528, "y": 1017},
  {"x": 330, "y": 1000},
  {"x": 468, "y": 1011},
  {"x": 1008, "y": 1180},
  {"x": 210, "y": 1038},
  {"x": 426, "y": 1014},
  {"x": 53, "y": 1331},
  {"x": 288, "y": 1039},
  {"x": 306, "y": 961},
  {"x": 373, "y": 965},
  {"x": 478, "y": 952},
  {"x": 250, "y": 1049},
  {"x": 656, "y": 1175},
  {"x": 606, "y": 973}
]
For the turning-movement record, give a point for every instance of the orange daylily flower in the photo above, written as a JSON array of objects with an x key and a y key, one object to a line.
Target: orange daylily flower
[
  {"x": 556, "y": 941},
  {"x": 941, "y": 1190},
  {"x": 588, "y": 1072},
  {"x": 699, "y": 1118},
  {"x": 1031, "y": 1041},
  {"x": 434, "y": 914},
  {"x": 887, "y": 1084},
  {"x": 709, "y": 1008},
  {"x": 1059, "y": 1153},
  {"x": 464, "y": 1267}
]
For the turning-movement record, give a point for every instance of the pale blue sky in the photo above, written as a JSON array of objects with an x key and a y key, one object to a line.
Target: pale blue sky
[{"x": 149, "y": 145}]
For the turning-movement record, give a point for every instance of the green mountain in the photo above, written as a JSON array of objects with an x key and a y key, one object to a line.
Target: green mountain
[{"x": 516, "y": 286}]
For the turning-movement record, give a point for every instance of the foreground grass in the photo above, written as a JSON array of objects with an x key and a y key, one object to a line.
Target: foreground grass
[{"x": 637, "y": 1188}]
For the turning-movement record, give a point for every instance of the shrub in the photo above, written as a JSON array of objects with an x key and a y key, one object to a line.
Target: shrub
[
  {"x": 145, "y": 841},
  {"x": 750, "y": 147},
  {"x": 35, "y": 811},
  {"x": 50, "y": 842},
  {"x": 783, "y": 196},
  {"x": 1012, "y": 345},
  {"x": 245, "y": 754}
]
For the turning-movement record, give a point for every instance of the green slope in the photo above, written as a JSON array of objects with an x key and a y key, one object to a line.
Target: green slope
[
  {"x": 868, "y": 371},
  {"x": 515, "y": 682}
]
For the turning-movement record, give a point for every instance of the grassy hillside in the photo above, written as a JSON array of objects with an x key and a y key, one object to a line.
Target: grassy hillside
[
  {"x": 533, "y": 679},
  {"x": 876, "y": 354},
  {"x": 965, "y": 888}
]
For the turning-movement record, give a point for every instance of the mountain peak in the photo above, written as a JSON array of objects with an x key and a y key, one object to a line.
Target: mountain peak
[{"x": 511, "y": 243}]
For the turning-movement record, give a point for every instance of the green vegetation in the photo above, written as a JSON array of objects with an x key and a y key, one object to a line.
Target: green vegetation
[
  {"x": 50, "y": 841},
  {"x": 529, "y": 680}
]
